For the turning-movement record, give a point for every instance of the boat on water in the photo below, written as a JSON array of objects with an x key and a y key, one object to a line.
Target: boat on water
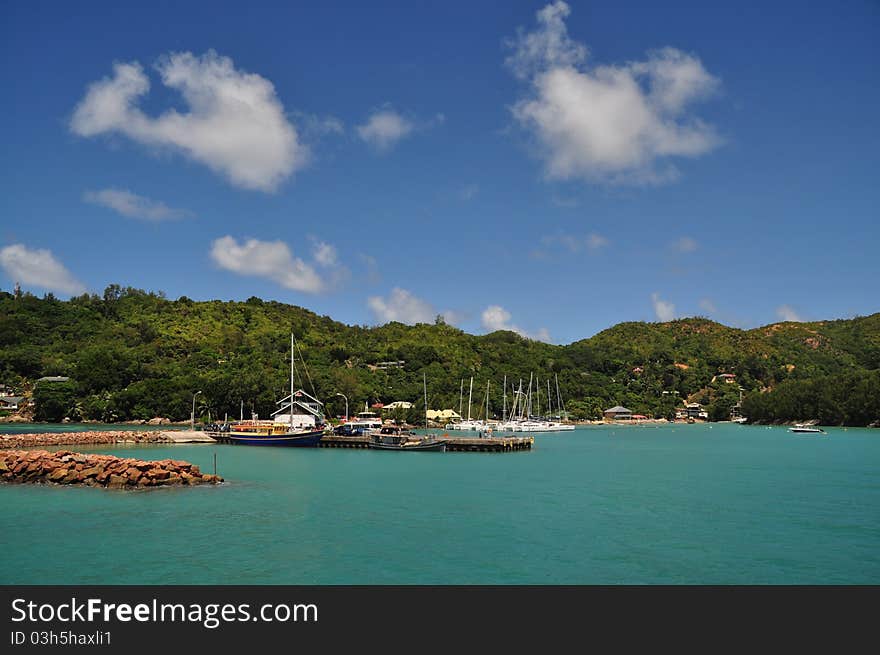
[
  {"x": 393, "y": 438},
  {"x": 366, "y": 422},
  {"x": 469, "y": 424},
  {"x": 801, "y": 427},
  {"x": 301, "y": 425}
]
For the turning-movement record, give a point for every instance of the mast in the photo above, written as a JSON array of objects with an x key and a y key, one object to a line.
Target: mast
[
  {"x": 460, "y": 398},
  {"x": 290, "y": 408},
  {"x": 530, "y": 398},
  {"x": 517, "y": 402},
  {"x": 549, "y": 401},
  {"x": 559, "y": 399},
  {"x": 487, "y": 401},
  {"x": 504, "y": 405},
  {"x": 425, "y": 383},
  {"x": 470, "y": 396},
  {"x": 537, "y": 397}
]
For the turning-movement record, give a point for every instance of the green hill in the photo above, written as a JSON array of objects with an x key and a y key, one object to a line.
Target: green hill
[{"x": 135, "y": 355}]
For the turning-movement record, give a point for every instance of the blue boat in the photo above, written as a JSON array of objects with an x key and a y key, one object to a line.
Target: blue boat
[
  {"x": 304, "y": 438},
  {"x": 282, "y": 431}
]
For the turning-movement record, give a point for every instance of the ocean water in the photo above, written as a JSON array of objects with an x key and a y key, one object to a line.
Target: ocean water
[{"x": 682, "y": 504}]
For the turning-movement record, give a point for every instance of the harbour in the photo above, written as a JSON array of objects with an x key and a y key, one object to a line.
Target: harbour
[{"x": 614, "y": 504}]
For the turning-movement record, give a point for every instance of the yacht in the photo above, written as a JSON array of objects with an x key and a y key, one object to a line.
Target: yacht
[{"x": 802, "y": 427}]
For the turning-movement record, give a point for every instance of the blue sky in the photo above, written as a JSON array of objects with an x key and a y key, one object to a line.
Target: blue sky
[{"x": 552, "y": 173}]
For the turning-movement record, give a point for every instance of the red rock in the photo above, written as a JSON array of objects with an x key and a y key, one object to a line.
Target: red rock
[
  {"x": 158, "y": 474},
  {"x": 116, "y": 482}
]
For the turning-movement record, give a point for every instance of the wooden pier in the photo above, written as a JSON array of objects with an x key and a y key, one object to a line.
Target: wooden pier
[{"x": 453, "y": 444}]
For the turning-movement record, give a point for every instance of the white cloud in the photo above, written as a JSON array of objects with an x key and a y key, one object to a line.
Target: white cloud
[
  {"x": 269, "y": 259},
  {"x": 235, "y": 123},
  {"x": 596, "y": 241},
  {"x": 325, "y": 254},
  {"x": 571, "y": 243},
  {"x": 495, "y": 318},
  {"x": 403, "y": 307},
  {"x": 684, "y": 245},
  {"x": 608, "y": 123},
  {"x": 787, "y": 313},
  {"x": 665, "y": 311},
  {"x": 708, "y": 306},
  {"x": 469, "y": 192},
  {"x": 384, "y": 129},
  {"x": 134, "y": 206},
  {"x": 38, "y": 268}
]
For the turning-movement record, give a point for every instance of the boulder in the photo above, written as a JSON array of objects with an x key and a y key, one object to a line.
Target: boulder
[{"x": 117, "y": 482}]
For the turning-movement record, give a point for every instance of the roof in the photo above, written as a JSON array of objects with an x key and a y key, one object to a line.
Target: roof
[
  {"x": 399, "y": 404},
  {"x": 442, "y": 413},
  {"x": 618, "y": 409},
  {"x": 54, "y": 378},
  {"x": 11, "y": 399}
]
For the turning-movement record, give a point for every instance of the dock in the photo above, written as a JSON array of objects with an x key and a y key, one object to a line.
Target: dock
[
  {"x": 188, "y": 436},
  {"x": 453, "y": 444}
]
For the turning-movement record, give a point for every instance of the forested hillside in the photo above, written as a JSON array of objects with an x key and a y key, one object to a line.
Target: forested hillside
[{"x": 131, "y": 354}]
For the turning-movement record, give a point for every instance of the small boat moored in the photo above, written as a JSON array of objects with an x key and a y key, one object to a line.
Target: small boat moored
[
  {"x": 801, "y": 427},
  {"x": 391, "y": 438}
]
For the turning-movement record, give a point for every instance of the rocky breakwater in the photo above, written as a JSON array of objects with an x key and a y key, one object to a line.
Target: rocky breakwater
[
  {"x": 66, "y": 467},
  {"x": 80, "y": 438}
]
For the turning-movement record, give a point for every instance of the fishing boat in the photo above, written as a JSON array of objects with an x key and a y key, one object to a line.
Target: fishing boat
[
  {"x": 802, "y": 427},
  {"x": 396, "y": 438},
  {"x": 393, "y": 438},
  {"x": 301, "y": 425}
]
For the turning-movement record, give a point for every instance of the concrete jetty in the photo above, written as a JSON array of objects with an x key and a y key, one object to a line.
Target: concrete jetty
[{"x": 188, "y": 436}]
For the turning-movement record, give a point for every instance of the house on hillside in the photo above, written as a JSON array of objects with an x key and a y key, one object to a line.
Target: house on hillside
[
  {"x": 53, "y": 378},
  {"x": 695, "y": 411},
  {"x": 728, "y": 378},
  {"x": 618, "y": 413},
  {"x": 443, "y": 415},
  {"x": 10, "y": 403},
  {"x": 398, "y": 404}
]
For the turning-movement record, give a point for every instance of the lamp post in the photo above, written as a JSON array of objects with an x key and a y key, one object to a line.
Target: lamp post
[
  {"x": 346, "y": 404},
  {"x": 192, "y": 418}
]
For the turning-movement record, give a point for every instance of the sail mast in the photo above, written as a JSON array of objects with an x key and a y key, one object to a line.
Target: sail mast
[
  {"x": 470, "y": 396},
  {"x": 561, "y": 404},
  {"x": 425, "y": 383},
  {"x": 530, "y": 398},
  {"x": 487, "y": 401},
  {"x": 504, "y": 405},
  {"x": 290, "y": 408},
  {"x": 460, "y": 399}
]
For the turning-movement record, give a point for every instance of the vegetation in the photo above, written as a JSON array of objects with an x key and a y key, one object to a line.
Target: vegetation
[{"x": 132, "y": 354}]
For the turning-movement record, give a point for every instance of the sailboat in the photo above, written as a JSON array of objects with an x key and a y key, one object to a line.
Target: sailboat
[
  {"x": 307, "y": 430},
  {"x": 475, "y": 425}
]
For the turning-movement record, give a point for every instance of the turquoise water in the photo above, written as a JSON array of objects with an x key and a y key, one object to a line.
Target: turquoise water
[{"x": 700, "y": 504}]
